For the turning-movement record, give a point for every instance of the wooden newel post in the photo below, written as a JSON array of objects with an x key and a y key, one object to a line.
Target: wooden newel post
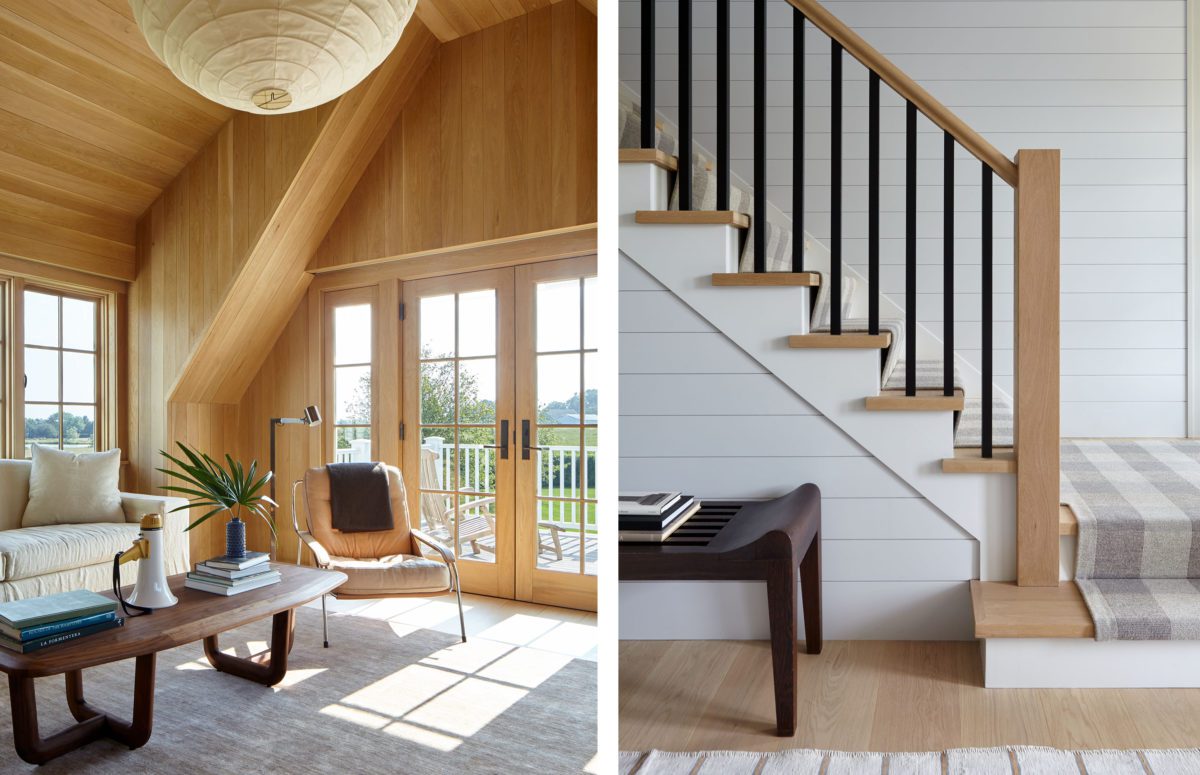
[{"x": 1036, "y": 362}]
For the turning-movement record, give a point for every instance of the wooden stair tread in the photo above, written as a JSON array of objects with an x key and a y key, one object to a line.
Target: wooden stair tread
[
  {"x": 853, "y": 341},
  {"x": 926, "y": 400},
  {"x": 648, "y": 156},
  {"x": 1068, "y": 525},
  {"x": 768, "y": 279},
  {"x": 970, "y": 460},
  {"x": 1004, "y": 610},
  {"x": 711, "y": 217}
]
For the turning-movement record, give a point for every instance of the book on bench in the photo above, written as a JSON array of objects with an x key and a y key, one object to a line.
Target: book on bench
[
  {"x": 658, "y": 536},
  {"x": 655, "y": 521},
  {"x": 650, "y": 503}
]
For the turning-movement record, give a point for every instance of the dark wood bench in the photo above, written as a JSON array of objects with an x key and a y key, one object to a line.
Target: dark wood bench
[{"x": 751, "y": 541}]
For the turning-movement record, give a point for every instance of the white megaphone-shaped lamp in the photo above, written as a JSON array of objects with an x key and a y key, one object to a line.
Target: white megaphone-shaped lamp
[{"x": 150, "y": 590}]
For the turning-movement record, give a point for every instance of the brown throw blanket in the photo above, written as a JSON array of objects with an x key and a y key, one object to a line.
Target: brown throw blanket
[{"x": 359, "y": 498}]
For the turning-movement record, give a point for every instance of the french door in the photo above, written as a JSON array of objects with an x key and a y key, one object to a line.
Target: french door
[{"x": 499, "y": 427}]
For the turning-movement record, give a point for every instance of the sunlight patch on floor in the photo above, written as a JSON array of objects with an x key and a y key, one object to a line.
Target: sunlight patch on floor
[
  {"x": 296, "y": 675},
  {"x": 519, "y": 629},
  {"x": 195, "y": 664},
  {"x": 403, "y": 690},
  {"x": 428, "y": 615},
  {"x": 526, "y": 667},
  {"x": 468, "y": 657},
  {"x": 467, "y": 707},
  {"x": 568, "y": 638},
  {"x": 421, "y": 736},
  {"x": 356, "y": 716}
]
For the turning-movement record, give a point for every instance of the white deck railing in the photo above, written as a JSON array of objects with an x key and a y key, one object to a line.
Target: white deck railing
[{"x": 477, "y": 462}]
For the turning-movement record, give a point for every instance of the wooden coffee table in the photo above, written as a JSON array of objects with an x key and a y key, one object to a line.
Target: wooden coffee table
[{"x": 198, "y": 615}]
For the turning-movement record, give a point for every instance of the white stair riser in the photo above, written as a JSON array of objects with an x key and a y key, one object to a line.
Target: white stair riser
[
  {"x": 1085, "y": 663},
  {"x": 1067, "y": 547},
  {"x": 643, "y": 186}
]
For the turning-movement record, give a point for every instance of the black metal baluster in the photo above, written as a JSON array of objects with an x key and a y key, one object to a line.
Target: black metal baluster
[
  {"x": 948, "y": 265},
  {"x": 797, "y": 140},
  {"x": 873, "y": 206},
  {"x": 835, "y": 191},
  {"x": 648, "y": 73},
  {"x": 910, "y": 250},
  {"x": 760, "y": 136},
  {"x": 685, "y": 104},
  {"x": 986, "y": 450},
  {"x": 722, "y": 104}
]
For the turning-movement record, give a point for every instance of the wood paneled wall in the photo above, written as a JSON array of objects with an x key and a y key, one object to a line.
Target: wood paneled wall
[
  {"x": 190, "y": 244},
  {"x": 497, "y": 140}
]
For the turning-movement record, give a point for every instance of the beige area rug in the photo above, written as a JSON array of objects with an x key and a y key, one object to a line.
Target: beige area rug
[
  {"x": 384, "y": 698},
  {"x": 959, "y": 761}
]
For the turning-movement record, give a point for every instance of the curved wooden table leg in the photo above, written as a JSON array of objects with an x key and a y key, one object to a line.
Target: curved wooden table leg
[
  {"x": 93, "y": 724},
  {"x": 132, "y": 733},
  {"x": 267, "y": 668}
]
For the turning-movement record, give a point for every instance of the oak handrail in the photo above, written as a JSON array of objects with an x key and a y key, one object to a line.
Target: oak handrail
[{"x": 909, "y": 89}]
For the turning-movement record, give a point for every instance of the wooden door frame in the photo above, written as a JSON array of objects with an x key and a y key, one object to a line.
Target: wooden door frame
[
  {"x": 533, "y": 584},
  {"x": 497, "y": 580}
]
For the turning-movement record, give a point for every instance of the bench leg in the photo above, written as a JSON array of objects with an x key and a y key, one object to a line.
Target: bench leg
[
  {"x": 267, "y": 668},
  {"x": 810, "y": 584},
  {"x": 94, "y": 724},
  {"x": 781, "y": 608}
]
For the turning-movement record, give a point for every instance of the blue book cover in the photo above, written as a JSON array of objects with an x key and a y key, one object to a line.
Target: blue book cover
[
  {"x": 53, "y": 628},
  {"x": 51, "y": 640}
]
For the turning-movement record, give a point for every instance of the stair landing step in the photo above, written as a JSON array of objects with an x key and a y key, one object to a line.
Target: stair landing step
[
  {"x": 970, "y": 460},
  {"x": 648, "y": 156},
  {"x": 718, "y": 217},
  {"x": 768, "y": 279},
  {"x": 854, "y": 341},
  {"x": 1068, "y": 525},
  {"x": 926, "y": 400},
  {"x": 1004, "y": 610}
]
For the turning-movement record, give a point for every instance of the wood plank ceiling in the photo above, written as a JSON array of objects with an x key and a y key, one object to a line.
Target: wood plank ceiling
[
  {"x": 93, "y": 127},
  {"x": 450, "y": 19}
]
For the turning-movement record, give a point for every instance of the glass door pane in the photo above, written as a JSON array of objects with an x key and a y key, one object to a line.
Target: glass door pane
[
  {"x": 458, "y": 368},
  {"x": 556, "y": 361}
]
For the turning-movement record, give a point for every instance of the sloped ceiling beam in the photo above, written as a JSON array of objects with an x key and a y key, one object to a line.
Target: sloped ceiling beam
[{"x": 272, "y": 278}]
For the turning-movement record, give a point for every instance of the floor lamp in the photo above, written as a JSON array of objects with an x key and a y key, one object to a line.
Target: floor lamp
[{"x": 311, "y": 418}]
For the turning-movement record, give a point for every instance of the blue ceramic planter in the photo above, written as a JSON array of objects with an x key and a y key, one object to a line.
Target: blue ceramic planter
[{"x": 235, "y": 538}]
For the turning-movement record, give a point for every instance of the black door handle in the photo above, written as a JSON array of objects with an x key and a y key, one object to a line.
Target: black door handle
[
  {"x": 525, "y": 445},
  {"x": 503, "y": 445}
]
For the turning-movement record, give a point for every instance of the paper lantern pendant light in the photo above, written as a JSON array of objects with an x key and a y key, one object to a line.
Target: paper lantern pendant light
[{"x": 272, "y": 56}]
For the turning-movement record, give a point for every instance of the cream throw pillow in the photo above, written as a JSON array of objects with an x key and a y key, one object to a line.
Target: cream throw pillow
[{"x": 66, "y": 488}]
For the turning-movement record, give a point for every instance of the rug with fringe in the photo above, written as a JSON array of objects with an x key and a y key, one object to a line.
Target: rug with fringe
[{"x": 956, "y": 761}]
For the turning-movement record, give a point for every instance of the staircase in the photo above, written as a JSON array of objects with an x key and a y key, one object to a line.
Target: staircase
[{"x": 858, "y": 357}]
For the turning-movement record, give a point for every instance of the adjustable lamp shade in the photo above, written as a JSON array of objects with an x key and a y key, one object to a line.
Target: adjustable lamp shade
[{"x": 272, "y": 56}]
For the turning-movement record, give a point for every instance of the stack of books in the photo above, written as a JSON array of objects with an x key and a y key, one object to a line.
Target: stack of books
[
  {"x": 651, "y": 517},
  {"x": 233, "y": 575},
  {"x": 38, "y": 622}
]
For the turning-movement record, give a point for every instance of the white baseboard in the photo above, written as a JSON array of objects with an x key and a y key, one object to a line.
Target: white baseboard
[
  {"x": 853, "y": 610},
  {"x": 1085, "y": 663}
]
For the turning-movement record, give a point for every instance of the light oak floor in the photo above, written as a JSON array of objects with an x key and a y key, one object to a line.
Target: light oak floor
[{"x": 876, "y": 696}]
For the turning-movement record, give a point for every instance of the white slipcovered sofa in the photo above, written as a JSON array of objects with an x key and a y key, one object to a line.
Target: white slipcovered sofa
[{"x": 47, "y": 559}]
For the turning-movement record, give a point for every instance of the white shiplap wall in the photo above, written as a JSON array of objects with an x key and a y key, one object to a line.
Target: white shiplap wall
[
  {"x": 700, "y": 413},
  {"x": 1104, "y": 80}
]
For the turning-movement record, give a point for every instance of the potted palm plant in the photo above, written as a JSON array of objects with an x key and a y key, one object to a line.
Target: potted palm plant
[{"x": 220, "y": 489}]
